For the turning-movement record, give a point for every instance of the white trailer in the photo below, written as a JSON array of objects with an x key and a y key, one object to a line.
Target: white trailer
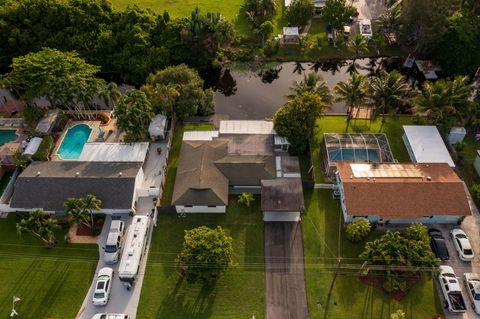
[{"x": 134, "y": 249}]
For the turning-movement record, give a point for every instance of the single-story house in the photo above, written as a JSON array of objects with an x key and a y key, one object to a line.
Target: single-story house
[
  {"x": 237, "y": 158},
  {"x": 47, "y": 185},
  {"x": 425, "y": 145},
  {"x": 158, "y": 127},
  {"x": 282, "y": 200},
  {"x": 401, "y": 193}
]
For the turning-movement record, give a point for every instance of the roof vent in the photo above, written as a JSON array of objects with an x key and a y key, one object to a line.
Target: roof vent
[
  {"x": 77, "y": 174},
  {"x": 38, "y": 173},
  {"x": 429, "y": 178},
  {"x": 120, "y": 174}
]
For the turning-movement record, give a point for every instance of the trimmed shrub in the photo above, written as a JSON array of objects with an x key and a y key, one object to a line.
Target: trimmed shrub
[
  {"x": 358, "y": 229},
  {"x": 44, "y": 150}
]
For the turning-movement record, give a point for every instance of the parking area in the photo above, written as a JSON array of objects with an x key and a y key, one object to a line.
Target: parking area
[
  {"x": 471, "y": 226},
  {"x": 121, "y": 299}
]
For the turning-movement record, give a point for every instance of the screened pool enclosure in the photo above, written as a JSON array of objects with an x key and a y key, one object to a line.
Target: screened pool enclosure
[{"x": 354, "y": 147}]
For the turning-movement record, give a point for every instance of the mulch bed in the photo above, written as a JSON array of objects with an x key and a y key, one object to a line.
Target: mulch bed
[
  {"x": 83, "y": 230},
  {"x": 376, "y": 281}
]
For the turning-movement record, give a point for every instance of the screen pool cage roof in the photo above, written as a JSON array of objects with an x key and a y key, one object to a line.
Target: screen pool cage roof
[{"x": 357, "y": 147}]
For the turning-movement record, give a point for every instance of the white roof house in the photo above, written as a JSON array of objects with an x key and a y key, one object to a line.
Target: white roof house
[
  {"x": 158, "y": 126},
  {"x": 290, "y": 31},
  {"x": 425, "y": 145},
  {"x": 246, "y": 127},
  {"x": 114, "y": 152},
  {"x": 33, "y": 146}
]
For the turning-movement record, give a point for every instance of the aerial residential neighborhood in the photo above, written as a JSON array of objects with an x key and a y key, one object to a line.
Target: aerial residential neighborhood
[{"x": 297, "y": 159}]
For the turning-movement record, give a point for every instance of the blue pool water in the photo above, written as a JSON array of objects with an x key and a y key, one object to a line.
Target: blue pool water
[
  {"x": 73, "y": 142},
  {"x": 7, "y": 136},
  {"x": 353, "y": 154}
]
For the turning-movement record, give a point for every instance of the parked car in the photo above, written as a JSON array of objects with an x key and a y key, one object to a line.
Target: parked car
[
  {"x": 451, "y": 290},
  {"x": 113, "y": 247},
  {"x": 103, "y": 286},
  {"x": 472, "y": 284},
  {"x": 462, "y": 244},
  {"x": 110, "y": 316},
  {"x": 365, "y": 26},
  {"x": 437, "y": 242}
]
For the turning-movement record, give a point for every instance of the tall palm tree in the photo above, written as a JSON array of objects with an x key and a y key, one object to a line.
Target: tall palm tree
[
  {"x": 387, "y": 91},
  {"x": 39, "y": 224},
  {"x": 353, "y": 93},
  {"x": 312, "y": 82},
  {"x": 390, "y": 20},
  {"x": 432, "y": 99},
  {"x": 358, "y": 44},
  {"x": 80, "y": 210},
  {"x": 110, "y": 94}
]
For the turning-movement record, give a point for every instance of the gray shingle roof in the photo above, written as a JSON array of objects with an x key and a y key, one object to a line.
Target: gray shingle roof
[
  {"x": 48, "y": 185},
  {"x": 282, "y": 195},
  {"x": 198, "y": 181},
  {"x": 246, "y": 170}
]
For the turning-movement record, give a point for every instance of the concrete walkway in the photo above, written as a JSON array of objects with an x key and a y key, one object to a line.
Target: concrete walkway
[
  {"x": 121, "y": 300},
  {"x": 285, "y": 291}
]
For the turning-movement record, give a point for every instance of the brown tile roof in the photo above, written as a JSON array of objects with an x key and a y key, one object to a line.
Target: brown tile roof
[{"x": 439, "y": 192}]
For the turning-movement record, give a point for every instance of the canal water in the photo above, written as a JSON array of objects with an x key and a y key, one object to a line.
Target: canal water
[{"x": 255, "y": 93}]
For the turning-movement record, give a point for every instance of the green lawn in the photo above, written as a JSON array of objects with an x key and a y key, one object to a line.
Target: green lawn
[
  {"x": 350, "y": 298},
  {"x": 239, "y": 293},
  {"x": 173, "y": 156},
  {"x": 51, "y": 283},
  {"x": 337, "y": 124}
]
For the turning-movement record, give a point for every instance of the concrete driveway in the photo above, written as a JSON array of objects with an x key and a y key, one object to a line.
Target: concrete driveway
[
  {"x": 121, "y": 299},
  {"x": 471, "y": 226},
  {"x": 285, "y": 291}
]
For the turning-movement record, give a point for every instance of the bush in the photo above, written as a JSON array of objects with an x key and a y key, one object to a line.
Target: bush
[
  {"x": 44, "y": 150},
  {"x": 417, "y": 231},
  {"x": 245, "y": 199},
  {"x": 271, "y": 48},
  {"x": 358, "y": 229},
  {"x": 299, "y": 12},
  {"x": 476, "y": 192}
]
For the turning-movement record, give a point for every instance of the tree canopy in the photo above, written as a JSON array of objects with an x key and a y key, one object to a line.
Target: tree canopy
[
  {"x": 299, "y": 12},
  {"x": 296, "y": 119},
  {"x": 179, "y": 90},
  {"x": 133, "y": 113},
  {"x": 40, "y": 225},
  {"x": 338, "y": 13},
  {"x": 63, "y": 77},
  {"x": 206, "y": 254}
]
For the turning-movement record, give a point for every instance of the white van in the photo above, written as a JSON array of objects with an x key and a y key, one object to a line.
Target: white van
[{"x": 113, "y": 247}]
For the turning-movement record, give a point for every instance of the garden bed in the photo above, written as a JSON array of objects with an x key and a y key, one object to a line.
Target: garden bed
[{"x": 83, "y": 230}]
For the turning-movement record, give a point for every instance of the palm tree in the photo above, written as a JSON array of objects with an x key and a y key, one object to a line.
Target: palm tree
[
  {"x": 312, "y": 82},
  {"x": 387, "y": 91},
  {"x": 358, "y": 44},
  {"x": 432, "y": 99},
  {"x": 80, "y": 210},
  {"x": 390, "y": 20},
  {"x": 39, "y": 224},
  {"x": 353, "y": 93},
  {"x": 110, "y": 94}
]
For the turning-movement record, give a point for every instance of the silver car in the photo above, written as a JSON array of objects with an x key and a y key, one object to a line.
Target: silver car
[{"x": 113, "y": 247}]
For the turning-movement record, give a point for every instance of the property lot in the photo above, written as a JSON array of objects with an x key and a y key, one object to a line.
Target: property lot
[
  {"x": 284, "y": 272},
  {"x": 323, "y": 242},
  {"x": 239, "y": 293},
  {"x": 51, "y": 283}
]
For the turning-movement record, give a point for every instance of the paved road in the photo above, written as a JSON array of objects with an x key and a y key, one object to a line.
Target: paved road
[
  {"x": 285, "y": 291},
  {"x": 471, "y": 226},
  {"x": 121, "y": 299}
]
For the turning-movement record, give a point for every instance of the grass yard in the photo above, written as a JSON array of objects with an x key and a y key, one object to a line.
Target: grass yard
[
  {"x": 173, "y": 156},
  {"x": 51, "y": 283},
  {"x": 350, "y": 298},
  {"x": 337, "y": 124},
  {"x": 239, "y": 293}
]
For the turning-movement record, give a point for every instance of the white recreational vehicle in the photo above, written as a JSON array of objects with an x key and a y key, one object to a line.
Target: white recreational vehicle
[{"x": 134, "y": 249}]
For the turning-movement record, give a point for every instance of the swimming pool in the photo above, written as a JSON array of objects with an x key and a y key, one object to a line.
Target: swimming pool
[
  {"x": 7, "y": 136},
  {"x": 73, "y": 142},
  {"x": 353, "y": 154}
]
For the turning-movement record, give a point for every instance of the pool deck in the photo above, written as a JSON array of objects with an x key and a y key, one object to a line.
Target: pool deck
[{"x": 94, "y": 125}]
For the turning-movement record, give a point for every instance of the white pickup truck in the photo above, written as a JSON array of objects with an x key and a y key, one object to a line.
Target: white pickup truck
[{"x": 451, "y": 290}]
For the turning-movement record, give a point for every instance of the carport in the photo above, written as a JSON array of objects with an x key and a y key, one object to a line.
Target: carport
[{"x": 282, "y": 200}]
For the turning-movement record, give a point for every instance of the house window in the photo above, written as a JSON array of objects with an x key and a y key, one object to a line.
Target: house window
[
  {"x": 189, "y": 206},
  {"x": 211, "y": 206},
  {"x": 428, "y": 217}
]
